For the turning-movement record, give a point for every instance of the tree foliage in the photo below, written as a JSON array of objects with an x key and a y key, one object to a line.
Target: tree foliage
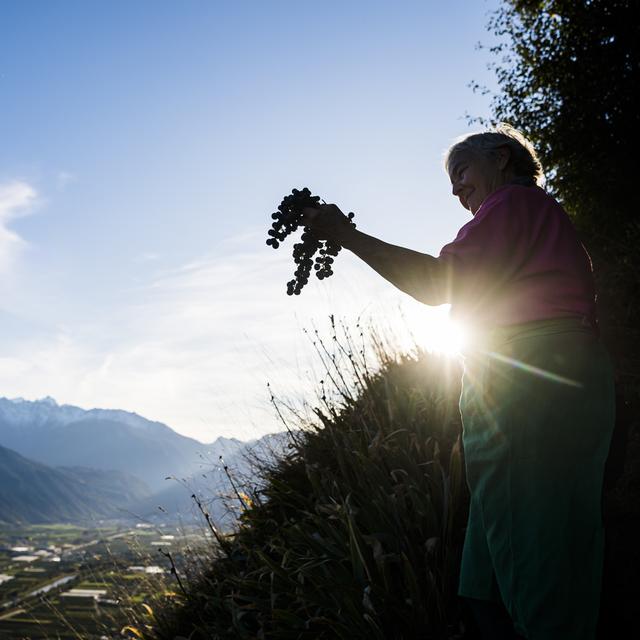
[{"x": 567, "y": 70}]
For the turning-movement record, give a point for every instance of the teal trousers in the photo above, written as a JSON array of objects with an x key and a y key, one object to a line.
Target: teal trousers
[{"x": 538, "y": 410}]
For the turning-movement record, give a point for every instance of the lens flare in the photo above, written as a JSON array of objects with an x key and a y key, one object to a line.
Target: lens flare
[
  {"x": 447, "y": 337},
  {"x": 435, "y": 331}
]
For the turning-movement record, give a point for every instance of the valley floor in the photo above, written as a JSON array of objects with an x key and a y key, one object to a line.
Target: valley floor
[{"x": 65, "y": 581}]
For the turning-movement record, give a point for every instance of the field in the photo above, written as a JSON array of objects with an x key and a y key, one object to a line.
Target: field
[{"x": 65, "y": 581}]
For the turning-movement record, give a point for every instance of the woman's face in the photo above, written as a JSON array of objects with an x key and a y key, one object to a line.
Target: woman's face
[{"x": 474, "y": 176}]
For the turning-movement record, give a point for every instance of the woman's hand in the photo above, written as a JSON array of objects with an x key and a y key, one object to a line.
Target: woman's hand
[{"x": 327, "y": 222}]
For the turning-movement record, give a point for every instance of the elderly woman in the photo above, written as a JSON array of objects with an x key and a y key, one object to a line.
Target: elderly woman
[{"x": 537, "y": 400}]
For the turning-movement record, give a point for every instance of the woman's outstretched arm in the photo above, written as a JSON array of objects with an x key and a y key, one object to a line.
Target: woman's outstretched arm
[{"x": 418, "y": 274}]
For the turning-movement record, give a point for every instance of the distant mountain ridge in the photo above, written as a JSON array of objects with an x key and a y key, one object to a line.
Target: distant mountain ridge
[
  {"x": 107, "y": 439},
  {"x": 212, "y": 486},
  {"x": 38, "y": 412},
  {"x": 61, "y": 463}
]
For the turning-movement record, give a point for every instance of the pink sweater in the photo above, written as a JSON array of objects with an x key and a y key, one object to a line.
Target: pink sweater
[{"x": 519, "y": 260}]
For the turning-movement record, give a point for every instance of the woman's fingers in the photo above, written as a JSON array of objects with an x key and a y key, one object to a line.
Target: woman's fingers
[
  {"x": 331, "y": 208},
  {"x": 326, "y": 221},
  {"x": 330, "y": 214},
  {"x": 309, "y": 214}
]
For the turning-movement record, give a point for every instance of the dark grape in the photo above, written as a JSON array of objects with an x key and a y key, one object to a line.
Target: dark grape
[{"x": 286, "y": 220}]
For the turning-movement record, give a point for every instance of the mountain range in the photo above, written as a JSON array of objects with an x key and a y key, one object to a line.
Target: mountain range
[
  {"x": 108, "y": 439},
  {"x": 61, "y": 462}
]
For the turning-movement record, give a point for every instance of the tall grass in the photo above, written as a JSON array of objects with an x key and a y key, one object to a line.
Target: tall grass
[{"x": 356, "y": 531}]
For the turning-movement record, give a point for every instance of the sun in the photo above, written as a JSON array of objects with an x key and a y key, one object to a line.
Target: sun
[
  {"x": 445, "y": 336},
  {"x": 434, "y": 330}
]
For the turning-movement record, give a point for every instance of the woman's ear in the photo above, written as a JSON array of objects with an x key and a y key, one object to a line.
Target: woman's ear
[{"x": 504, "y": 155}]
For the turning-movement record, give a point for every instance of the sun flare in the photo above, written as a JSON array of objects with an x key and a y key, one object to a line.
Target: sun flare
[{"x": 435, "y": 331}]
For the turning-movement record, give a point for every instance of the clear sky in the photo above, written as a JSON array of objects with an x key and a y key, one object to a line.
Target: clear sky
[{"x": 144, "y": 146}]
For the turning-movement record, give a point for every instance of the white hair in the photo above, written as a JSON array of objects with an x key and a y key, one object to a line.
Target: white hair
[{"x": 523, "y": 160}]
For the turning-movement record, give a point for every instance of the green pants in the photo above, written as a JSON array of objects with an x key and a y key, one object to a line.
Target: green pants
[{"x": 538, "y": 411}]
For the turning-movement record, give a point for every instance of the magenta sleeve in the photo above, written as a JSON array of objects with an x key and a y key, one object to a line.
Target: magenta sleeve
[{"x": 487, "y": 251}]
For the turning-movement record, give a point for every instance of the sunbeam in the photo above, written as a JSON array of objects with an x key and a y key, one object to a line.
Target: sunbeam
[{"x": 534, "y": 370}]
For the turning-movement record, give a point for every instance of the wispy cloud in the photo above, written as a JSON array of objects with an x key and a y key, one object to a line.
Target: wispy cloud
[
  {"x": 16, "y": 199},
  {"x": 195, "y": 346}
]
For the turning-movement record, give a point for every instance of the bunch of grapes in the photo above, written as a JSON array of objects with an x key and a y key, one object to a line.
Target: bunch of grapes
[{"x": 287, "y": 219}]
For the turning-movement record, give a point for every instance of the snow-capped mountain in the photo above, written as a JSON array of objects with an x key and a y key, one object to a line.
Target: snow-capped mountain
[
  {"x": 18, "y": 412},
  {"x": 30, "y": 414},
  {"x": 65, "y": 435}
]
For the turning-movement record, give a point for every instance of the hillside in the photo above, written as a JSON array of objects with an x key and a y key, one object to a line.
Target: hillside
[
  {"x": 31, "y": 492},
  {"x": 355, "y": 532}
]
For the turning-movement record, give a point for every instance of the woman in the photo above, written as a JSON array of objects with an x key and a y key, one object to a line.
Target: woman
[{"x": 537, "y": 400}]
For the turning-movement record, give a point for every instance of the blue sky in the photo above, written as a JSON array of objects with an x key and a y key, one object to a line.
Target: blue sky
[{"x": 145, "y": 145}]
